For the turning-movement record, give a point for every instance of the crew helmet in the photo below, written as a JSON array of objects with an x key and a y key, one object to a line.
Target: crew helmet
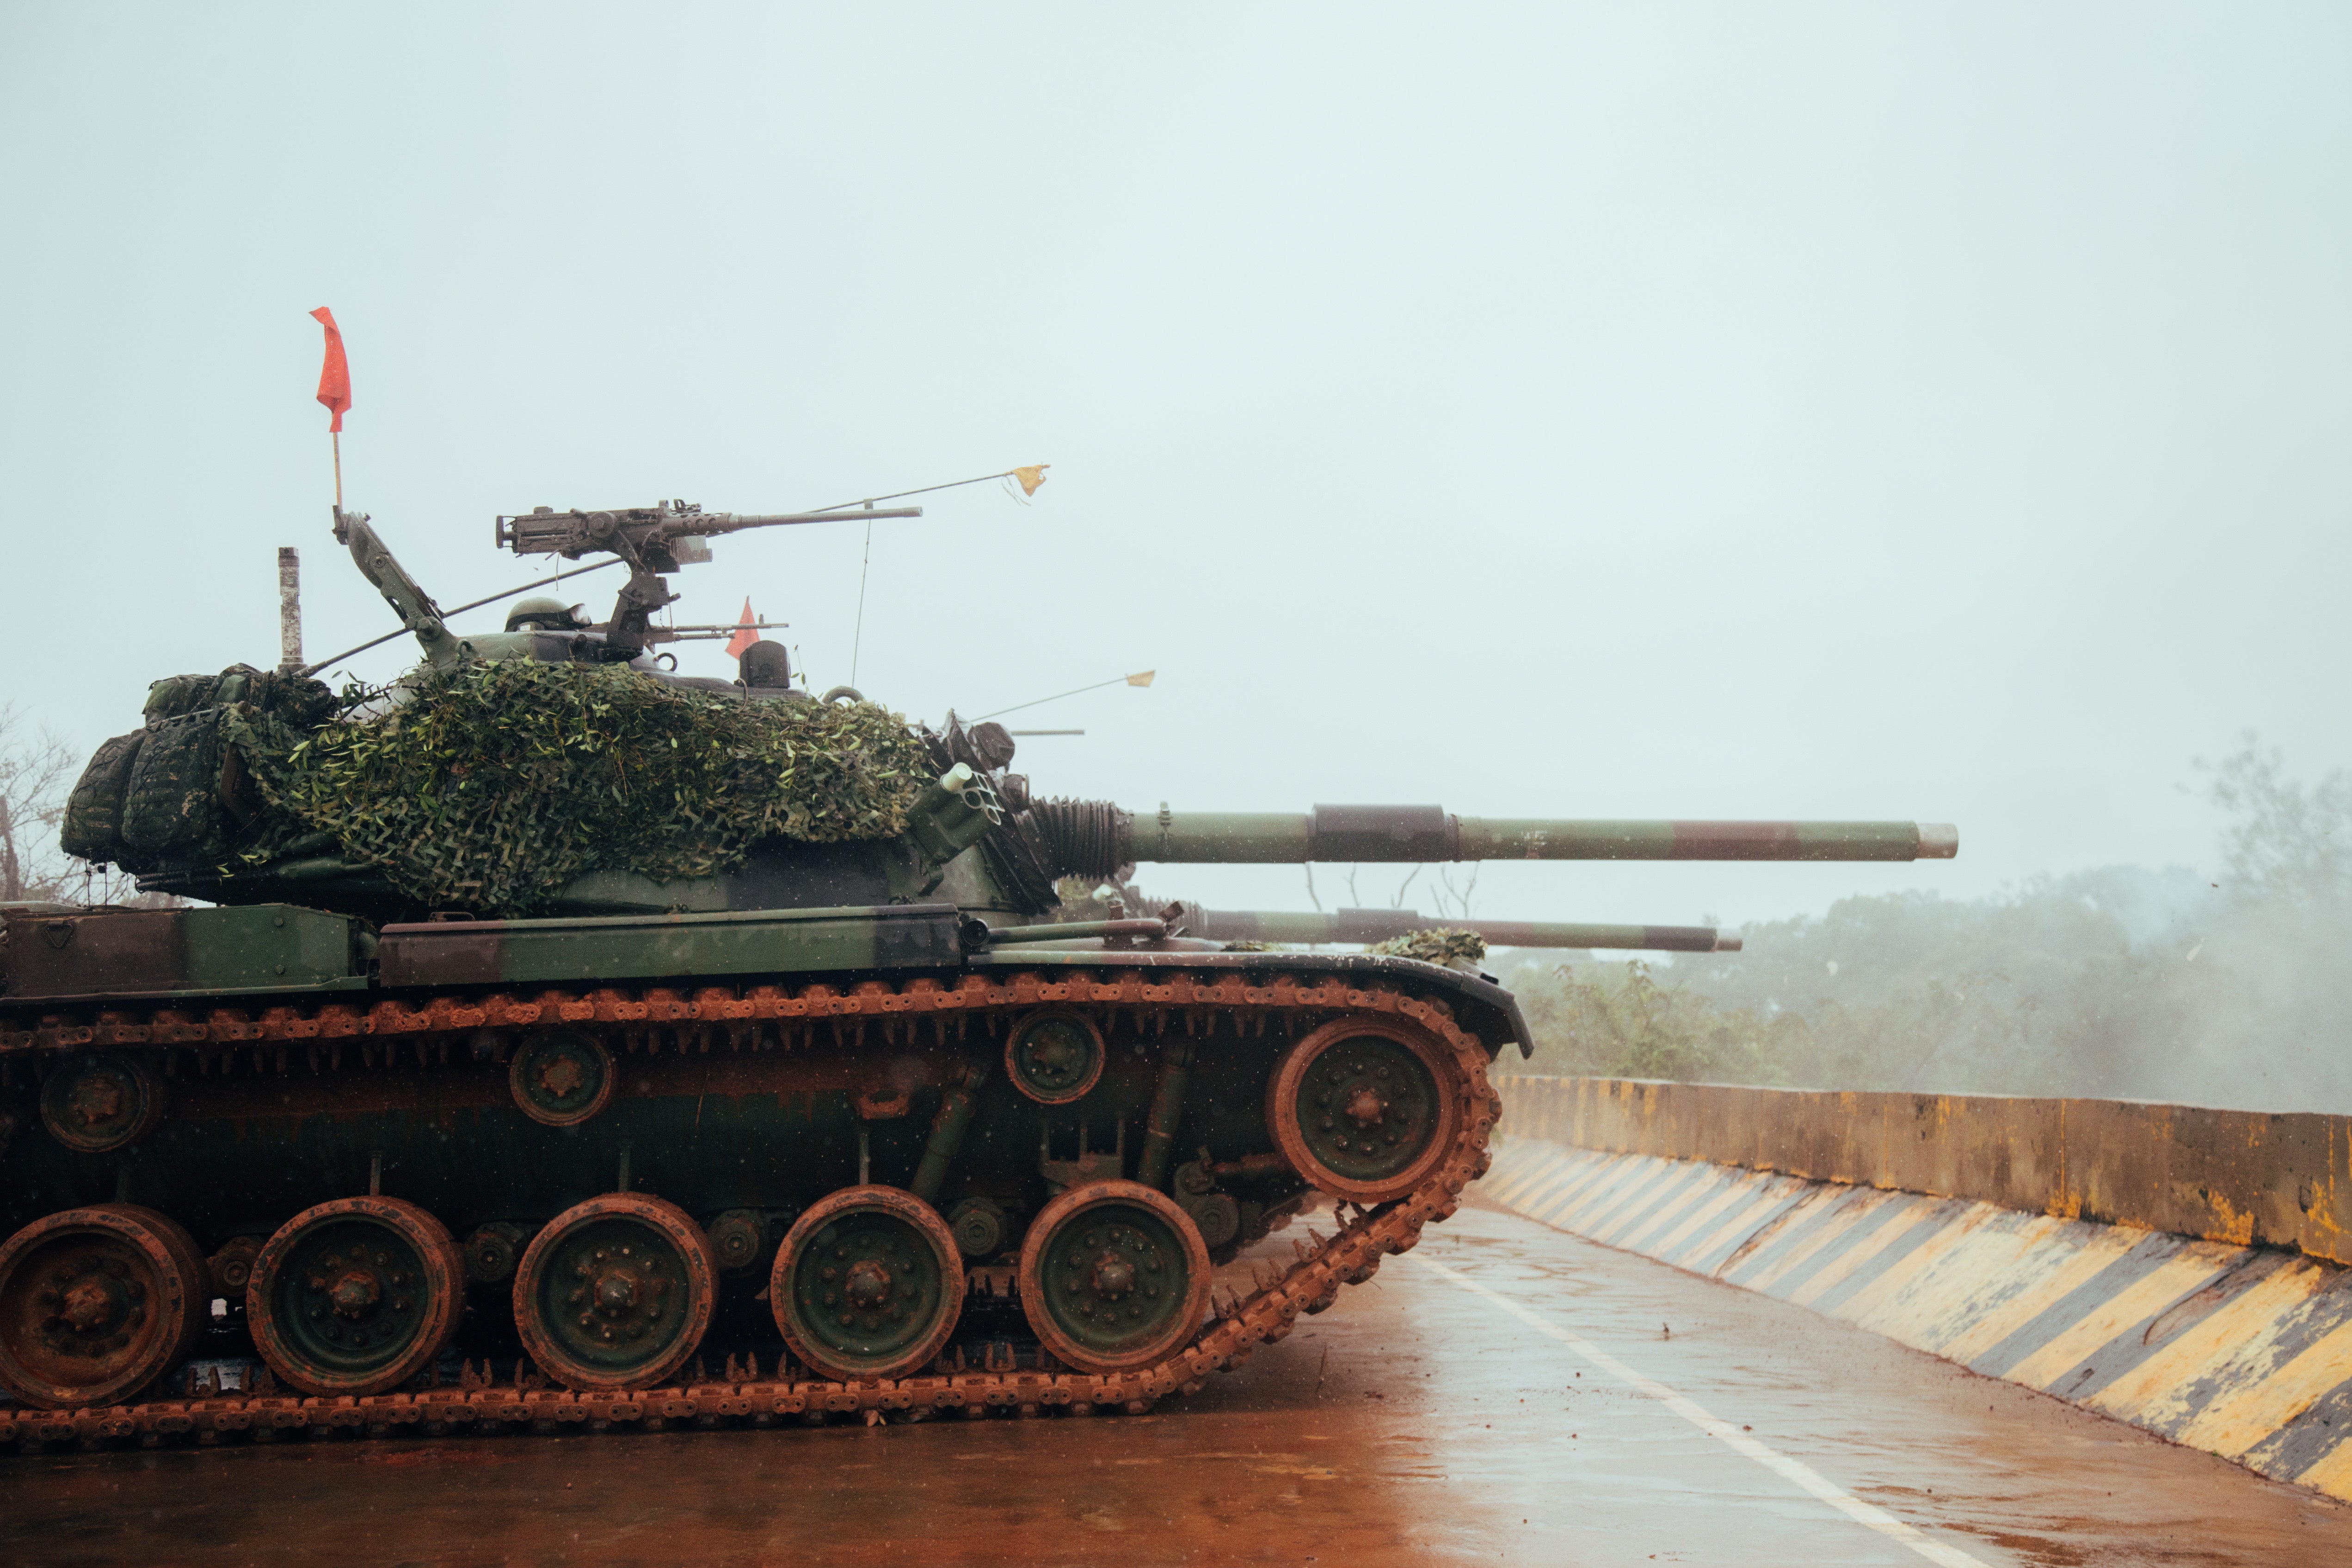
[{"x": 542, "y": 612}]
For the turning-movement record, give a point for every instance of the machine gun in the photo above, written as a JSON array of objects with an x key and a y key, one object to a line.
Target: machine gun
[
  {"x": 717, "y": 632},
  {"x": 651, "y": 541}
]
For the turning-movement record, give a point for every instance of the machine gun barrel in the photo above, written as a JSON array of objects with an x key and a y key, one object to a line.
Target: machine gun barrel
[
  {"x": 1368, "y": 925},
  {"x": 1426, "y": 834},
  {"x": 731, "y": 522},
  {"x": 713, "y": 633},
  {"x": 646, "y": 534}
]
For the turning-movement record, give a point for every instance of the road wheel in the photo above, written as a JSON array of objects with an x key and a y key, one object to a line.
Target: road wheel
[
  {"x": 1114, "y": 1275},
  {"x": 868, "y": 1283},
  {"x": 355, "y": 1296},
  {"x": 96, "y": 1303},
  {"x": 1365, "y": 1108},
  {"x": 615, "y": 1294}
]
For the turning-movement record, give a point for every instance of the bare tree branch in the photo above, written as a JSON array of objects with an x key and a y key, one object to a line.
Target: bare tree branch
[
  {"x": 36, "y": 772},
  {"x": 1461, "y": 895}
]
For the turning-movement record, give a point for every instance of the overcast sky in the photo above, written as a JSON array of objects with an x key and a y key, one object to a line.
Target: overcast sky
[{"x": 1929, "y": 412}]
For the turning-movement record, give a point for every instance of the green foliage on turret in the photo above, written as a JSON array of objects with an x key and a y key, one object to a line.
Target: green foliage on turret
[
  {"x": 493, "y": 784},
  {"x": 1440, "y": 945}
]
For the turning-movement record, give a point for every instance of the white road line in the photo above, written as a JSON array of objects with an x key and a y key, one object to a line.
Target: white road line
[{"x": 1724, "y": 1432}]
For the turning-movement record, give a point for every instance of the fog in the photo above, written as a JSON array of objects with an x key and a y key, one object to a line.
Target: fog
[
  {"x": 1812, "y": 411},
  {"x": 2120, "y": 983}
]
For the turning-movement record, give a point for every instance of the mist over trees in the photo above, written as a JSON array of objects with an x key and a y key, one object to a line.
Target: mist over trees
[{"x": 2121, "y": 983}]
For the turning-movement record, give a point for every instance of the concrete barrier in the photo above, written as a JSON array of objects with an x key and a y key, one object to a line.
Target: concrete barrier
[
  {"x": 2140, "y": 1260},
  {"x": 2250, "y": 1178}
]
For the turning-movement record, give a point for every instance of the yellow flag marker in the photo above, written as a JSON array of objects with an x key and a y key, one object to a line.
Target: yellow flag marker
[
  {"x": 1029, "y": 478},
  {"x": 1142, "y": 678}
]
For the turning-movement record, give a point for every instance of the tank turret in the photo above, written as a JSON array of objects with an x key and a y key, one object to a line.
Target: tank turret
[{"x": 206, "y": 804}]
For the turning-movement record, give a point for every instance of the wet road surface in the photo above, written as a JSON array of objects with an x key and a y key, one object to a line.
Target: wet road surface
[{"x": 1533, "y": 1399}]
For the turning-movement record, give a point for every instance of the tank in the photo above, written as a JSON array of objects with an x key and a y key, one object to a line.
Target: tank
[{"x": 446, "y": 1113}]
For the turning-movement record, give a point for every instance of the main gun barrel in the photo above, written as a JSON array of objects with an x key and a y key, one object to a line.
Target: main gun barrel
[{"x": 1424, "y": 833}]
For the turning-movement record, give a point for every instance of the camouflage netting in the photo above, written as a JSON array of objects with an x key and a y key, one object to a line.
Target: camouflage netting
[
  {"x": 1445, "y": 944},
  {"x": 498, "y": 782},
  {"x": 1079, "y": 900}
]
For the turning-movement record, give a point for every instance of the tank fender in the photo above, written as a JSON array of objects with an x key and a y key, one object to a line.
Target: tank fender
[
  {"x": 1493, "y": 1010},
  {"x": 1481, "y": 1002}
]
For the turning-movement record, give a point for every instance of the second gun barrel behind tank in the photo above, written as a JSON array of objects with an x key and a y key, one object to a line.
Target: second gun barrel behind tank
[
  {"x": 1410, "y": 833},
  {"x": 1368, "y": 925}
]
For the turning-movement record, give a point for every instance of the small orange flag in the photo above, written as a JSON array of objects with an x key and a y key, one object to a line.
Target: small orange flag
[
  {"x": 335, "y": 375},
  {"x": 744, "y": 638}
]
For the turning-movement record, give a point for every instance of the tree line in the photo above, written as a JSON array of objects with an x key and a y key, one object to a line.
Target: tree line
[{"x": 2118, "y": 983}]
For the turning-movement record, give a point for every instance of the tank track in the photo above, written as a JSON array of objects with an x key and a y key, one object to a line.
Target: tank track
[{"x": 1239, "y": 1327}]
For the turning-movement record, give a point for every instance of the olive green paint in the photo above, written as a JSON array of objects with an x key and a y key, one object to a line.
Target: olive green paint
[
  {"x": 656, "y": 947},
  {"x": 160, "y": 953}
]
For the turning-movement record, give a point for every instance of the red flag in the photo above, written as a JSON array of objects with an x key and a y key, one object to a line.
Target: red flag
[
  {"x": 335, "y": 375},
  {"x": 744, "y": 638}
]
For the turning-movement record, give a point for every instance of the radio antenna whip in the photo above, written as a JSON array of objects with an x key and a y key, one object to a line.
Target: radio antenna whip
[{"x": 858, "y": 637}]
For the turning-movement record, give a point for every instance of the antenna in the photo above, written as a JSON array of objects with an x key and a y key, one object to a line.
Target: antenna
[
  {"x": 857, "y": 638},
  {"x": 289, "y": 610},
  {"x": 1141, "y": 678}
]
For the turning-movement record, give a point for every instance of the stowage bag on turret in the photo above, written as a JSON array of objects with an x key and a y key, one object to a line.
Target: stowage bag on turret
[
  {"x": 154, "y": 797},
  {"x": 175, "y": 695},
  {"x": 171, "y": 809},
  {"x": 92, "y": 827}
]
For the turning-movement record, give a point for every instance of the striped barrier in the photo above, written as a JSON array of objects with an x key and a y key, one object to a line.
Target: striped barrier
[{"x": 2245, "y": 1352}]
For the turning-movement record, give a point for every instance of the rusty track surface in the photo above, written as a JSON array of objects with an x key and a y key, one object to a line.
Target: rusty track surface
[{"x": 1311, "y": 1283}]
